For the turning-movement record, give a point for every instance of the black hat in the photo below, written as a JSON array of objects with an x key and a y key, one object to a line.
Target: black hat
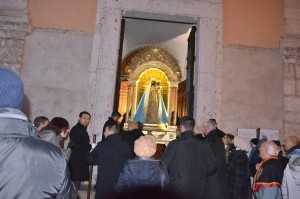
[
  {"x": 277, "y": 142},
  {"x": 254, "y": 141}
]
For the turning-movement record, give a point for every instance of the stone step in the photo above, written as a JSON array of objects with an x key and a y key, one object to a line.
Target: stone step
[{"x": 82, "y": 192}]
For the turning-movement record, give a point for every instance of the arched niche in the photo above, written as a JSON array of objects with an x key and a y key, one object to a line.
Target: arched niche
[{"x": 151, "y": 58}]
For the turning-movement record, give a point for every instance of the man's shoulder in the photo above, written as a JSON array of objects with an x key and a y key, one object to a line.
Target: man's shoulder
[
  {"x": 188, "y": 140},
  {"x": 77, "y": 128},
  {"x": 272, "y": 163},
  {"x": 45, "y": 145},
  {"x": 42, "y": 150}
]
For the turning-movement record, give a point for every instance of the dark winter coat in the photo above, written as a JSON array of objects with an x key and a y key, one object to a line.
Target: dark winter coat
[
  {"x": 30, "y": 168},
  {"x": 219, "y": 132},
  {"x": 110, "y": 156},
  {"x": 109, "y": 121},
  {"x": 238, "y": 175},
  {"x": 145, "y": 178},
  {"x": 217, "y": 183},
  {"x": 80, "y": 146},
  {"x": 253, "y": 160},
  {"x": 189, "y": 161},
  {"x": 131, "y": 136},
  {"x": 268, "y": 178}
]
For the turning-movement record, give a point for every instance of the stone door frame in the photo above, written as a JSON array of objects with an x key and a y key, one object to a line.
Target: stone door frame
[{"x": 208, "y": 65}]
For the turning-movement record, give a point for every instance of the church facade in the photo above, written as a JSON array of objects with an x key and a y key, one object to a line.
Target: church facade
[{"x": 246, "y": 71}]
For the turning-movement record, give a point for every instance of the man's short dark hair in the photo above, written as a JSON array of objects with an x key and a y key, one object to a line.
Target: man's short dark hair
[
  {"x": 115, "y": 114},
  {"x": 84, "y": 112},
  {"x": 40, "y": 120},
  {"x": 113, "y": 127},
  {"x": 141, "y": 125},
  {"x": 187, "y": 122}
]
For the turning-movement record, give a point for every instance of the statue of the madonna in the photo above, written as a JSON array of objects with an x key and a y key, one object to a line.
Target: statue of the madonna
[{"x": 151, "y": 108}]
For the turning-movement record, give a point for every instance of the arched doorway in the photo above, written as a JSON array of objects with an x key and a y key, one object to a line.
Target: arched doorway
[{"x": 143, "y": 66}]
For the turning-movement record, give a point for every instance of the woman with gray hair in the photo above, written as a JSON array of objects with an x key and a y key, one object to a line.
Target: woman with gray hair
[{"x": 238, "y": 172}]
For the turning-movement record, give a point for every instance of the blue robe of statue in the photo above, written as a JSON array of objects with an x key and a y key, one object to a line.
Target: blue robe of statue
[{"x": 151, "y": 108}]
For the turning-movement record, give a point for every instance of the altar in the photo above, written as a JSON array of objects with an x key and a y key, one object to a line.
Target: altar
[{"x": 150, "y": 78}]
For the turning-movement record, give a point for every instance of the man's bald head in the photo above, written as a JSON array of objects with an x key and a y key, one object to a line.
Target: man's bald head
[
  {"x": 289, "y": 142},
  {"x": 132, "y": 125}
]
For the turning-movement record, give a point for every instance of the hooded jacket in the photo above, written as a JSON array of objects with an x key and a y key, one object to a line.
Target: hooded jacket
[
  {"x": 30, "y": 168},
  {"x": 143, "y": 178},
  {"x": 295, "y": 150},
  {"x": 291, "y": 179},
  {"x": 51, "y": 134}
]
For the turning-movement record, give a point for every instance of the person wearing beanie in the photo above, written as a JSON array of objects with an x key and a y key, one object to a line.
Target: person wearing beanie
[
  {"x": 110, "y": 155},
  {"x": 143, "y": 176},
  {"x": 190, "y": 162},
  {"x": 21, "y": 151},
  {"x": 11, "y": 90}
]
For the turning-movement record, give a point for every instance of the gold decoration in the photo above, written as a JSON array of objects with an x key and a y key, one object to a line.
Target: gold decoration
[{"x": 154, "y": 56}]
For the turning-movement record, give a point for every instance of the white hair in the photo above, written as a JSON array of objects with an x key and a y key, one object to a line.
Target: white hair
[{"x": 270, "y": 147}]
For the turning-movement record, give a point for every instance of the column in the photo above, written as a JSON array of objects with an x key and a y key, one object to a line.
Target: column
[
  {"x": 169, "y": 105},
  {"x": 128, "y": 104},
  {"x": 133, "y": 107},
  {"x": 175, "y": 109}
]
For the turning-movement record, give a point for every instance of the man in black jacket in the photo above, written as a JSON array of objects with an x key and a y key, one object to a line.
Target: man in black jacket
[
  {"x": 113, "y": 119},
  {"x": 80, "y": 146},
  {"x": 217, "y": 183},
  {"x": 110, "y": 155},
  {"x": 29, "y": 168},
  {"x": 132, "y": 134},
  {"x": 190, "y": 161}
]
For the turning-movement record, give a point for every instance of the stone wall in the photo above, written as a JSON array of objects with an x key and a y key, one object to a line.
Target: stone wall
[
  {"x": 56, "y": 73},
  {"x": 290, "y": 53},
  {"x": 14, "y": 27},
  {"x": 251, "y": 89}
]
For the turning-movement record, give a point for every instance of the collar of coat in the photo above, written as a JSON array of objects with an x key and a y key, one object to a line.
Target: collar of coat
[
  {"x": 12, "y": 113},
  {"x": 80, "y": 125},
  {"x": 293, "y": 148},
  {"x": 188, "y": 133},
  {"x": 14, "y": 123}
]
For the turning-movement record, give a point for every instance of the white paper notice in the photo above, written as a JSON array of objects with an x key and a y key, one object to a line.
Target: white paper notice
[
  {"x": 269, "y": 134},
  {"x": 247, "y": 134}
]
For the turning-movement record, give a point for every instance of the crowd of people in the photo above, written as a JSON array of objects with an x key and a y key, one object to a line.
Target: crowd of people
[{"x": 34, "y": 163}]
